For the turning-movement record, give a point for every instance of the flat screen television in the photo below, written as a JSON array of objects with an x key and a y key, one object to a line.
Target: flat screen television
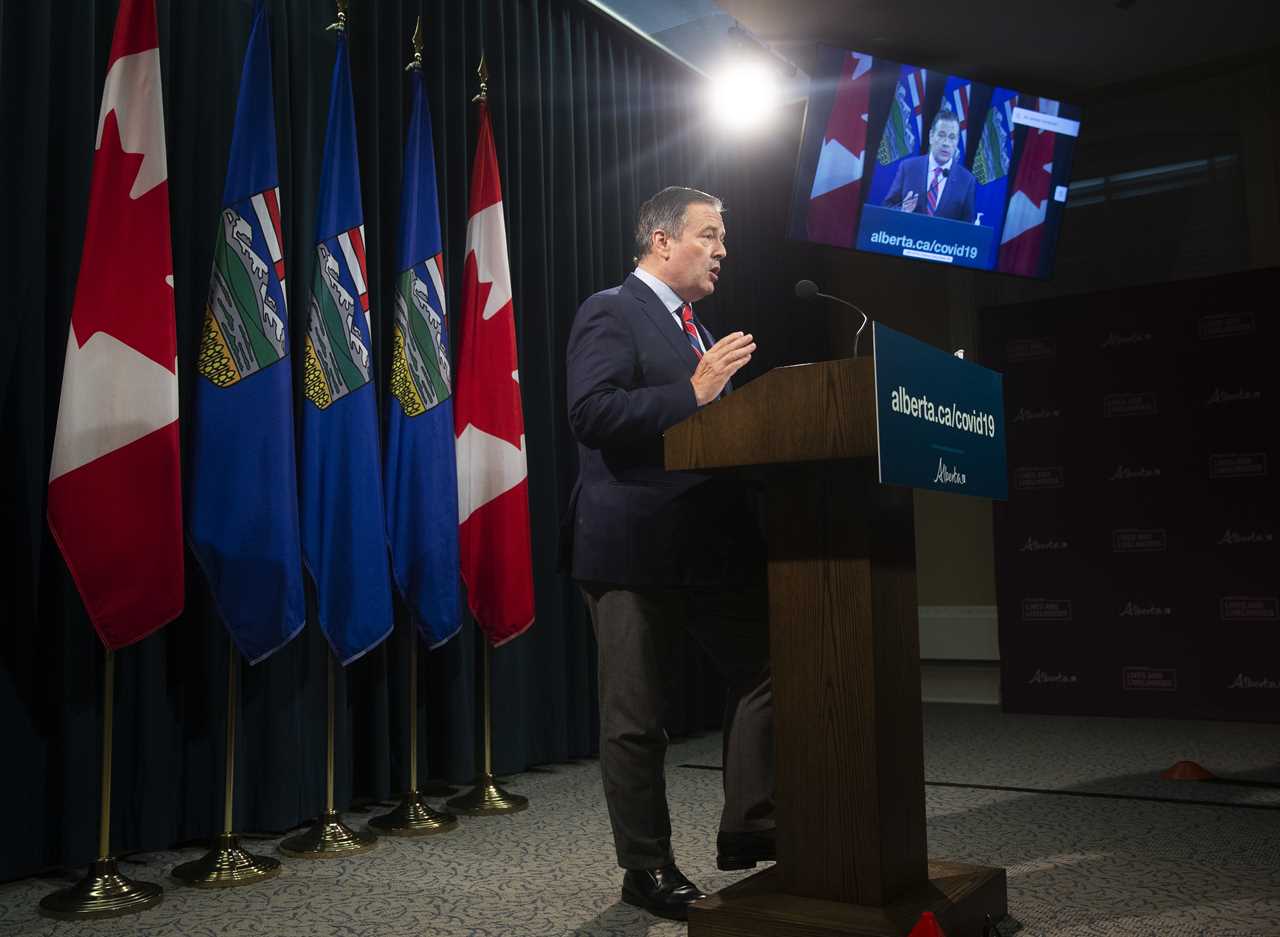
[{"x": 912, "y": 162}]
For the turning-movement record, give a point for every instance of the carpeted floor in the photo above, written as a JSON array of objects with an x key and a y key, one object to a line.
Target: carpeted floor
[{"x": 1094, "y": 844}]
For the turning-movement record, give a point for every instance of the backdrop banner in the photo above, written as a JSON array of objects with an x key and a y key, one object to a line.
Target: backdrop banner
[{"x": 1136, "y": 556}]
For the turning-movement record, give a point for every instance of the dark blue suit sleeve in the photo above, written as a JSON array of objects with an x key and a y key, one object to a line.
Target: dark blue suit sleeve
[
  {"x": 607, "y": 404},
  {"x": 894, "y": 198}
]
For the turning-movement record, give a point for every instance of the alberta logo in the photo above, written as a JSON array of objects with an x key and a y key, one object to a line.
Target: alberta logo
[
  {"x": 1030, "y": 416},
  {"x": 1244, "y": 681},
  {"x": 1233, "y": 538},
  {"x": 1040, "y": 546},
  {"x": 1058, "y": 679},
  {"x": 1120, "y": 339},
  {"x": 1239, "y": 395},
  {"x": 1144, "y": 610},
  {"x": 948, "y": 476},
  {"x": 1134, "y": 472}
]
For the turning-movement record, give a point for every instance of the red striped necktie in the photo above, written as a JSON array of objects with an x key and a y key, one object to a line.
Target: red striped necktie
[
  {"x": 933, "y": 189},
  {"x": 691, "y": 330}
]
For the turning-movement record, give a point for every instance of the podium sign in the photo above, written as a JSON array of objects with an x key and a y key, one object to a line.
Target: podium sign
[
  {"x": 940, "y": 419},
  {"x": 926, "y": 237}
]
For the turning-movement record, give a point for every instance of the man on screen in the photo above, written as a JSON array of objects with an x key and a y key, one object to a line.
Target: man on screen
[{"x": 935, "y": 184}]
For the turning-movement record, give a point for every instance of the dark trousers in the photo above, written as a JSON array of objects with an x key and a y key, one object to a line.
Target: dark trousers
[{"x": 634, "y": 631}]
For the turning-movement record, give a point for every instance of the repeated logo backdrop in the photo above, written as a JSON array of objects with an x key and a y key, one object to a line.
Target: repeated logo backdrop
[{"x": 1136, "y": 558}]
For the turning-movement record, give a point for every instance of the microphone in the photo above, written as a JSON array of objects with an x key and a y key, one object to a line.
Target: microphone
[{"x": 807, "y": 289}]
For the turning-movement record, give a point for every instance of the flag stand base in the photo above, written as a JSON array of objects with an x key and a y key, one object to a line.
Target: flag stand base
[
  {"x": 226, "y": 865},
  {"x": 413, "y": 816},
  {"x": 487, "y": 798},
  {"x": 328, "y": 838},
  {"x": 103, "y": 892}
]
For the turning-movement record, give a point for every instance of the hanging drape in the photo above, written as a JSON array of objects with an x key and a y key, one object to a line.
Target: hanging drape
[{"x": 589, "y": 120}]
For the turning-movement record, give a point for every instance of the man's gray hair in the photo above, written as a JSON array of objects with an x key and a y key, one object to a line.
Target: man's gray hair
[
  {"x": 944, "y": 113},
  {"x": 666, "y": 212}
]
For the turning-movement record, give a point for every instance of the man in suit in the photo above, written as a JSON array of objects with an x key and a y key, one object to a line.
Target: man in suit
[
  {"x": 947, "y": 187},
  {"x": 658, "y": 554}
]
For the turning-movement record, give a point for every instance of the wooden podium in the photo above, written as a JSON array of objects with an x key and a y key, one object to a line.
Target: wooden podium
[{"x": 846, "y": 670}]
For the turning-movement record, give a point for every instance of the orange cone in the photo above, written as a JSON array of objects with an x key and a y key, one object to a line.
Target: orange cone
[
  {"x": 1187, "y": 771},
  {"x": 927, "y": 926}
]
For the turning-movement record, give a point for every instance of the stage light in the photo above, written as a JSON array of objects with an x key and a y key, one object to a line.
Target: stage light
[{"x": 744, "y": 95}]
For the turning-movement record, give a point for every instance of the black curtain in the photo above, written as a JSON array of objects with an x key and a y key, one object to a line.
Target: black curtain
[{"x": 589, "y": 120}]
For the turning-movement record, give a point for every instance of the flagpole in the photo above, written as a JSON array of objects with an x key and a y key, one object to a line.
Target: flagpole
[
  {"x": 329, "y": 837},
  {"x": 486, "y": 796},
  {"x": 413, "y": 816},
  {"x": 226, "y": 865},
  {"x": 103, "y": 892}
]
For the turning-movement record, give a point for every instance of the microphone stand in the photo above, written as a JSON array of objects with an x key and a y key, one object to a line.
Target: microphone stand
[{"x": 844, "y": 302}]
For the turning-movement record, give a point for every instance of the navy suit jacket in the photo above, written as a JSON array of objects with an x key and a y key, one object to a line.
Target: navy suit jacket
[
  {"x": 630, "y": 521},
  {"x": 957, "y": 195}
]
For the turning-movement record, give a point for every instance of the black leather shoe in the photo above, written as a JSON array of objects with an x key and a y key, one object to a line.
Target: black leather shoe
[
  {"x": 743, "y": 850},
  {"x": 664, "y": 892}
]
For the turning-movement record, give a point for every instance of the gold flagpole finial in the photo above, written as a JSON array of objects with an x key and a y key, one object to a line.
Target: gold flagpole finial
[
  {"x": 483, "y": 73},
  {"x": 341, "y": 25},
  {"x": 416, "y": 43}
]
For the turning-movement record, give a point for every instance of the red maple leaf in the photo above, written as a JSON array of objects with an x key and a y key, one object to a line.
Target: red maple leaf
[
  {"x": 122, "y": 289},
  {"x": 486, "y": 395}
]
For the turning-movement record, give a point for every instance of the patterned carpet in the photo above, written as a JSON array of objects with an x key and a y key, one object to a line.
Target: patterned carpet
[{"x": 1079, "y": 866}]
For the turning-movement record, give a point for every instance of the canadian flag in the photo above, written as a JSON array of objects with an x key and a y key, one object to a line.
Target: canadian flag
[
  {"x": 488, "y": 419},
  {"x": 115, "y": 495},
  {"x": 1023, "y": 235},
  {"x": 837, "y": 182}
]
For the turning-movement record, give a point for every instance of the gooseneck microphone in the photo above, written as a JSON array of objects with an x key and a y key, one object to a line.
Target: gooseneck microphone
[{"x": 807, "y": 289}]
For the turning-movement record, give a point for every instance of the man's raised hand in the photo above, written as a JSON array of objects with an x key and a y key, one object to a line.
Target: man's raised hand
[{"x": 721, "y": 362}]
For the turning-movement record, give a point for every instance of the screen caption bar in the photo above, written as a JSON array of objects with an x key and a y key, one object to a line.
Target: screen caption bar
[
  {"x": 1062, "y": 125},
  {"x": 926, "y": 255}
]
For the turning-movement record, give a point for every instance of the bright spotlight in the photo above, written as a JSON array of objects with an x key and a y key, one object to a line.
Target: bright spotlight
[{"x": 744, "y": 95}]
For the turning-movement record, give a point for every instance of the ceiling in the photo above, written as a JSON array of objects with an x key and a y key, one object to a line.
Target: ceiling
[{"x": 1062, "y": 48}]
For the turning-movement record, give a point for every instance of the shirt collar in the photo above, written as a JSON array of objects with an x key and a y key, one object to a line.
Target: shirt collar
[
  {"x": 934, "y": 165},
  {"x": 664, "y": 292}
]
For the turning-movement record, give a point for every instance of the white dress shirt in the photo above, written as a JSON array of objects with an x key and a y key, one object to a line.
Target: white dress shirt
[
  {"x": 942, "y": 180},
  {"x": 670, "y": 300}
]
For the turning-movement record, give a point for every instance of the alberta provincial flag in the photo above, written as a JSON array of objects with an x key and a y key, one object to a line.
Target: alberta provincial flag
[
  {"x": 955, "y": 98},
  {"x": 115, "y": 490},
  {"x": 493, "y": 477},
  {"x": 837, "y": 183},
  {"x": 344, "y": 539},
  {"x": 903, "y": 134},
  {"x": 992, "y": 155},
  {"x": 242, "y": 506},
  {"x": 421, "y": 471}
]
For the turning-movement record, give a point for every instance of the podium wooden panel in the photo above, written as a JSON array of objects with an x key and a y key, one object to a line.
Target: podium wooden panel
[{"x": 844, "y": 637}]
